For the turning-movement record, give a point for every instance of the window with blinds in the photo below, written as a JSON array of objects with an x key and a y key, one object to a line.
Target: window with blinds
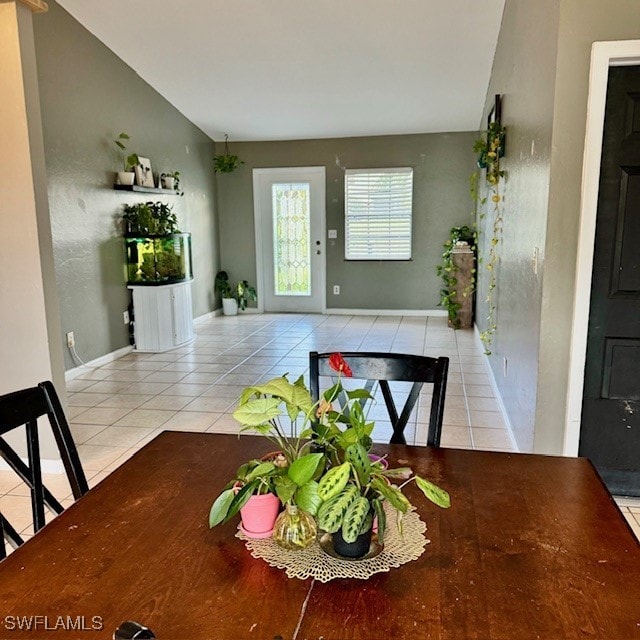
[{"x": 378, "y": 210}]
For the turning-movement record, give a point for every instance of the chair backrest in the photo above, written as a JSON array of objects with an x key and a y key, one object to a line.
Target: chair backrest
[
  {"x": 23, "y": 408},
  {"x": 388, "y": 367}
]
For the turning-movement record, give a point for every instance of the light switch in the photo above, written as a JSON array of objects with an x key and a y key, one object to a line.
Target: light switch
[{"x": 333, "y": 234}]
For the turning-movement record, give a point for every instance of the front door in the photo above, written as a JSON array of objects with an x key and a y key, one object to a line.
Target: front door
[
  {"x": 290, "y": 217},
  {"x": 610, "y": 429}
]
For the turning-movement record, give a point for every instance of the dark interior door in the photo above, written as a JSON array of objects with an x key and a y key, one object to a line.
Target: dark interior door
[{"x": 610, "y": 430}]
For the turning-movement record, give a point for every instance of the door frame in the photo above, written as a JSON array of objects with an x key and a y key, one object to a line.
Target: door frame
[
  {"x": 603, "y": 55},
  {"x": 259, "y": 230}
]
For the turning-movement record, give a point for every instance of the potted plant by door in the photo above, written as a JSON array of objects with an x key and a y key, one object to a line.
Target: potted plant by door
[
  {"x": 127, "y": 176},
  {"x": 234, "y": 297}
]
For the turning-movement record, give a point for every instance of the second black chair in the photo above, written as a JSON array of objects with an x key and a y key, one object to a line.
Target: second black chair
[
  {"x": 23, "y": 408},
  {"x": 392, "y": 367}
]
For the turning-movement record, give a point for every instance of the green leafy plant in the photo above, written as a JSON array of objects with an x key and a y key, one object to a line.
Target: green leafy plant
[
  {"x": 491, "y": 149},
  {"x": 258, "y": 477},
  {"x": 447, "y": 271},
  {"x": 354, "y": 487},
  {"x": 128, "y": 161},
  {"x": 353, "y": 493},
  {"x": 330, "y": 476},
  {"x": 242, "y": 291},
  {"x": 150, "y": 218},
  {"x": 176, "y": 181},
  {"x": 262, "y": 409},
  {"x": 226, "y": 162}
]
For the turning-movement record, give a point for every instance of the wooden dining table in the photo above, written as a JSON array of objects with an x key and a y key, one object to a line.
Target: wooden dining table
[{"x": 532, "y": 547}]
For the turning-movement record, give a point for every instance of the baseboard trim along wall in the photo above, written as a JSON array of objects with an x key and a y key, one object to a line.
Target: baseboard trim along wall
[
  {"x": 387, "y": 312},
  {"x": 98, "y": 362},
  {"x": 496, "y": 391}
]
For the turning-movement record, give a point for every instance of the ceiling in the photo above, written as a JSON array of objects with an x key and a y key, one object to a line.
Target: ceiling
[{"x": 294, "y": 69}]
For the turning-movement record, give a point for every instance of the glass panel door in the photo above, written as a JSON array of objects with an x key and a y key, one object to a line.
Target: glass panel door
[
  {"x": 291, "y": 240},
  {"x": 289, "y": 208}
]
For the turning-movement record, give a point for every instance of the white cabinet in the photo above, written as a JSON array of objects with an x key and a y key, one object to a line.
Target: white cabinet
[{"x": 163, "y": 318}]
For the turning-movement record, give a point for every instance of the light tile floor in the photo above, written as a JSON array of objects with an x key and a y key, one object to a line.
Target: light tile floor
[{"x": 115, "y": 409}]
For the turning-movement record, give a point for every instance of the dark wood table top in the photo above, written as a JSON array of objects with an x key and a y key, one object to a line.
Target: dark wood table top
[{"x": 533, "y": 547}]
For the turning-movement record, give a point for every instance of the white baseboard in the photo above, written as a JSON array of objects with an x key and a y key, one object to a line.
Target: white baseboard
[
  {"x": 387, "y": 312},
  {"x": 98, "y": 362},
  {"x": 496, "y": 390},
  {"x": 207, "y": 316},
  {"x": 218, "y": 312}
]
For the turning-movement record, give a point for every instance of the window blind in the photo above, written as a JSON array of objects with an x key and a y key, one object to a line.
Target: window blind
[{"x": 378, "y": 210}]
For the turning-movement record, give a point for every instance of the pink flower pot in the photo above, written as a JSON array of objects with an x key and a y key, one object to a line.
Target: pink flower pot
[
  {"x": 259, "y": 514},
  {"x": 376, "y": 458}
]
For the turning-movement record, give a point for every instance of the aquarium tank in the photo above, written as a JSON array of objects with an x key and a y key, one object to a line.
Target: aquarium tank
[{"x": 155, "y": 260}]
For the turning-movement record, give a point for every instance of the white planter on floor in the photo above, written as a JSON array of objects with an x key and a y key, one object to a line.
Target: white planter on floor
[{"x": 229, "y": 306}]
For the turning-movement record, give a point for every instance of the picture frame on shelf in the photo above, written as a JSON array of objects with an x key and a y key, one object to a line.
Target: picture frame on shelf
[{"x": 144, "y": 175}]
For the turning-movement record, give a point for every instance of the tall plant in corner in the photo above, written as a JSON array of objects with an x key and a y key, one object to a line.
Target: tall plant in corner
[
  {"x": 447, "y": 270},
  {"x": 490, "y": 149}
]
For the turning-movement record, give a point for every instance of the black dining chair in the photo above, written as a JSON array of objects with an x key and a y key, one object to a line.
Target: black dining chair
[
  {"x": 22, "y": 409},
  {"x": 392, "y": 367}
]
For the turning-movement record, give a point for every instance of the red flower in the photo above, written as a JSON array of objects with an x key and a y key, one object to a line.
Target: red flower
[{"x": 339, "y": 364}]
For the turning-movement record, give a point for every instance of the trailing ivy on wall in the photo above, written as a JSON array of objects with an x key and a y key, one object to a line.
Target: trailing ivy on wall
[{"x": 490, "y": 149}]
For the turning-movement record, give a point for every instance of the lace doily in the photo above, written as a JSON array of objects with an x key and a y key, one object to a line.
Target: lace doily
[{"x": 313, "y": 562}]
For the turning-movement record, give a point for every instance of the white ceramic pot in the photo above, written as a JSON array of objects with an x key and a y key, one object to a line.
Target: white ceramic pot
[
  {"x": 229, "y": 306},
  {"x": 126, "y": 177},
  {"x": 168, "y": 182}
]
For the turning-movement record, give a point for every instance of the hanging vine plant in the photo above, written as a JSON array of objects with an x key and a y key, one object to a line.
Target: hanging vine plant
[
  {"x": 490, "y": 149},
  {"x": 226, "y": 162},
  {"x": 447, "y": 270}
]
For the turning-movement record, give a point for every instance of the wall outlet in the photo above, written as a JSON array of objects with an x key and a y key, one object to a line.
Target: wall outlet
[
  {"x": 336, "y": 289},
  {"x": 71, "y": 340},
  {"x": 125, "y": 317},
  {"x": 333, "y": 234}
]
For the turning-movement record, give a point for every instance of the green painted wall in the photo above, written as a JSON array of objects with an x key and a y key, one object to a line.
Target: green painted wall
[
  {"x": 442, "y": 164},
  {"x": 88, "y": 96},
  {"x": 542, "y": 69},
  {"x": 524, "y": 73}
]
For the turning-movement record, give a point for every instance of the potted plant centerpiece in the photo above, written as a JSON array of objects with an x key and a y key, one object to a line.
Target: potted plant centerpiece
[
  {"x": 289, "y": 472},
  {"x": 325, "y": 469},
  {"x": 234, "y": 297}
]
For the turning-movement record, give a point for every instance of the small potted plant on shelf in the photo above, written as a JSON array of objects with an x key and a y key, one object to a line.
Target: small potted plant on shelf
[
  {"x": 171, "y": 181},
  {"x": 129, "y": 161},
  {"x": 331, "y": 477},
  {"x": 234, "y": 297}
]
